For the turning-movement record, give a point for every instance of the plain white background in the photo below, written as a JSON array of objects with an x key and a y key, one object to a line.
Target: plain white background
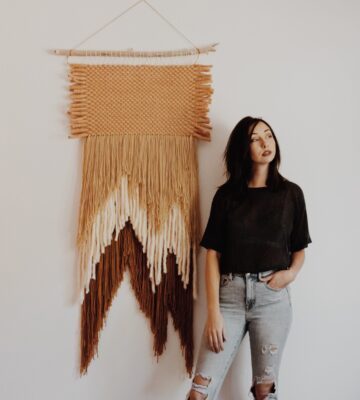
[{"x": 296, "y": 64}]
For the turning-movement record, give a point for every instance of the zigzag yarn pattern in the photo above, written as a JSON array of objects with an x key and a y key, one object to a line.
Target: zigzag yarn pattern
[{"x": 139, "y": 205}]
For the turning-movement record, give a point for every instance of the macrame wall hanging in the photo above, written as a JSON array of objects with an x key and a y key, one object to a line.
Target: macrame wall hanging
[{"x": 139, "y": 205}]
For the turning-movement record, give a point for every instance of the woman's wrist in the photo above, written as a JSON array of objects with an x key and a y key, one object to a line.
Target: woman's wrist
[
  {"x": 292, "y": 273},
  {"x": 213, "y": 308}
]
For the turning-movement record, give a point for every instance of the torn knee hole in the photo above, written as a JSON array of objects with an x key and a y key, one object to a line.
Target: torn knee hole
[{"x": 272, "y": 348}]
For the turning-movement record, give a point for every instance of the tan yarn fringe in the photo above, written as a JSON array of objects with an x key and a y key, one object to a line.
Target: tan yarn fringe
[
  {"x": 151, "y": 181},
  {"x": 126, "y": 252}
]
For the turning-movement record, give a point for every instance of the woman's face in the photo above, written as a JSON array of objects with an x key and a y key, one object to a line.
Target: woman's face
[{"x": 262, "y": 141}]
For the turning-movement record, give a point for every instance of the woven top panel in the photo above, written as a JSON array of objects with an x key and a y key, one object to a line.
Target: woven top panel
[{"x": 140, "y": 99}]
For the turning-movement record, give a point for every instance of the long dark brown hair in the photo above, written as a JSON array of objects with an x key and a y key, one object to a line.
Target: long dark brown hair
[{"x": 238, "y": 161}]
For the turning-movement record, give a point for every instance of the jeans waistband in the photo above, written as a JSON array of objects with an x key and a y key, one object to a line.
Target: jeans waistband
[{"x": 254, "y": 275}]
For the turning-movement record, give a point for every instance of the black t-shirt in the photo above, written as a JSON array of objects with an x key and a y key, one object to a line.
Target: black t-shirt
[{"x": 258, "y": 230}]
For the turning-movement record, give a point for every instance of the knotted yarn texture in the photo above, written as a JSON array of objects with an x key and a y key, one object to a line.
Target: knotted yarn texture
[{"x": 139, "y": 205}]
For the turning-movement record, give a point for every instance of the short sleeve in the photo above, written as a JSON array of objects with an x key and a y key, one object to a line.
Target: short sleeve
[
  {"x": 214, "y": 235},
  {"x": 300, "y": 236}
]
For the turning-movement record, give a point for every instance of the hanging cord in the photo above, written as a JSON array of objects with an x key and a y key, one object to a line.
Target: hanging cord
[
  {"x": 175, "y": 29},
  {"x": 106, "y": 25},
  {"x": 198, "y": 51}
]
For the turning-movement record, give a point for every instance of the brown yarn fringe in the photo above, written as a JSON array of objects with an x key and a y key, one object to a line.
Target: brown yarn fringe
[{"x": 170, "y": 296}]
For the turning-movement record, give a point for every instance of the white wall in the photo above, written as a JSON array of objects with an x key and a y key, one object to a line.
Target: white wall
[{"x": 295, "y": 64}]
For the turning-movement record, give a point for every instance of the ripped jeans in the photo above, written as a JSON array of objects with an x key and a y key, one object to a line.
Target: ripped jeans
[{"x": 247, "y": 304}]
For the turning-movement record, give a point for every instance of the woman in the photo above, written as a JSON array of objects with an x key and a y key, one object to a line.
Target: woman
[{"x": 255, "y": 236}]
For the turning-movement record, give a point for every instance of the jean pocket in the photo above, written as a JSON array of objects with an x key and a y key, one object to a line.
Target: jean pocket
[{"x": 273, "y": 289}]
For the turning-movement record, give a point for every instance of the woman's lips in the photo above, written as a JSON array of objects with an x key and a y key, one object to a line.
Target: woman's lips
[{"x": 266, "y": 153}]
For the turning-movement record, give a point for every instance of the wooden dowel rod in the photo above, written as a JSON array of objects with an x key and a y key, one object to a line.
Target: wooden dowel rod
[{"x": 134, "y": 53}]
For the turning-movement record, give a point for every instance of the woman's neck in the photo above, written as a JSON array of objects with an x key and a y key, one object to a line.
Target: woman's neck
[{"x": 259, "y": 176}]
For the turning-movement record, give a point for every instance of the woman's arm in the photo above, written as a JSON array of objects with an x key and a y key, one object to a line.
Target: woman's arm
[
  {"x": 297, "y": 261},
  {"x": 212, "y": 279},
  {"x": 215, "y": 323}
]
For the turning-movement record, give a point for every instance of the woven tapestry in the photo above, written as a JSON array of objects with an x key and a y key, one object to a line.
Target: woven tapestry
[{"x": 139, "y": 205}]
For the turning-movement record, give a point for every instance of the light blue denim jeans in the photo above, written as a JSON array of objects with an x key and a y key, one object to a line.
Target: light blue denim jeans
[{"x": 247, "y": 304}]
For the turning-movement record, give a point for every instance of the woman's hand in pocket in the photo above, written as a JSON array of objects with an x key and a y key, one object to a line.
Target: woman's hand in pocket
[
  {"x": 215, "y": 330},
  {"x": 279, "y": 279}
]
